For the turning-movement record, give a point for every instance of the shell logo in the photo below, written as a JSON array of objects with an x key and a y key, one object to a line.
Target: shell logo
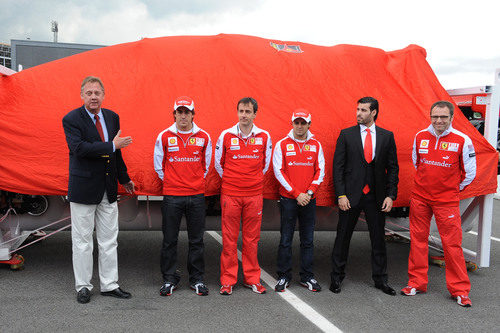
[{"x": 172, "y": 141}]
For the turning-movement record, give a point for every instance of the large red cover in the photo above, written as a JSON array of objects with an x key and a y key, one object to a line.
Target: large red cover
[{"x": 143, "y": 78}]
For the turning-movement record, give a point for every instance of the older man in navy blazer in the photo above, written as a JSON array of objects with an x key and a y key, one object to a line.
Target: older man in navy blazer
[{"x": 95, "y": 165}]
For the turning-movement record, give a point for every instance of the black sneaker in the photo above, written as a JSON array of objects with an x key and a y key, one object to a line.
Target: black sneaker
[
  {"x": 311, "y": 284},
  {"x": 200, "y": 289},
  {"x": 167, "y": 289},
  {"x": 281, "y": 285}
]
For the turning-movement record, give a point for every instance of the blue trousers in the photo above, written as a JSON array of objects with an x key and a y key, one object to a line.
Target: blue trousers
[{"x": 290, "y": 211}]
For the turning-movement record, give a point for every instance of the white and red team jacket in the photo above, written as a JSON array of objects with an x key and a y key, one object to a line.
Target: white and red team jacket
[
  {"x": 298, "y": 166},
  {"x": 182, "y": 165},
  {"x": 445, "y": 165},
  {"x": 242, "y": 162}
]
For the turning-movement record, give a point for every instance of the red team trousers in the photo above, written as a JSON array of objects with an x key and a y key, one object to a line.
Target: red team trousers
[
  {"x": 248, "y": 210},
  {"x": 450, "y": 230}
]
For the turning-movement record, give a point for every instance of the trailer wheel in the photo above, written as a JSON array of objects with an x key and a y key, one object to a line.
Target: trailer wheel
[
  {"x": 17, "y": 262},
  {"x": 438, "y": 261},
  {"x": 471, "y": 266},
  {"x": 38, "y": 205}
]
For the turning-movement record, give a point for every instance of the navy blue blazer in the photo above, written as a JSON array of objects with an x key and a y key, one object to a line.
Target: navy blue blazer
[
  {"x": 350, "y": 166},
  {"x": 93, "y": 166}
]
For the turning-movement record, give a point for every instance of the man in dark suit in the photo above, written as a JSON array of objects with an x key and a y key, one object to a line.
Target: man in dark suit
[
  {"x": 95, "y": 164},
  {"x": 365, "y": 175}
]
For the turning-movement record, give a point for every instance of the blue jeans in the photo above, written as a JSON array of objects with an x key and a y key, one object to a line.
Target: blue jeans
[{"x": 290, "y": 211}]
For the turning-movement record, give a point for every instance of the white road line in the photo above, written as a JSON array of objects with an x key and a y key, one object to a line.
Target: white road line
[
  {"x": 305, "y": 309},
  {"x": 492, "y": 238}
]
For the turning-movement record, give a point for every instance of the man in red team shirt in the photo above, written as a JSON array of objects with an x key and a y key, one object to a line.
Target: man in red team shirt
[
  {"x": 242, "y": 157},
  {"x": 446, "y": 163},
  {"x": 181, "y": 158},
  {"x": 299, "y": 166}
]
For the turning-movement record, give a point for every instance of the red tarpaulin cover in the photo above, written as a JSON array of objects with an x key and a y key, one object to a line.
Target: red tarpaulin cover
[{"x": 143, "y": 78}]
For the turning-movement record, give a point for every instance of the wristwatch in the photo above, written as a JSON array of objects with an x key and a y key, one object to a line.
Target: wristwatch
[{"x": 310, "y": 192}]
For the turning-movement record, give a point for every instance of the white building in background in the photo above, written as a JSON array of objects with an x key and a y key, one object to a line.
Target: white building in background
[{"x": 5, "y": 55}]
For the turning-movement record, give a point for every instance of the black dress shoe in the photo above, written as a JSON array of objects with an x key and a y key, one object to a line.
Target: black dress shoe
[
  {"x": 83, "y": 296},
  {"x": 386, "y": 289},
  {"x": 118, "y": 292},
  {"x": 335, "y": 287}
]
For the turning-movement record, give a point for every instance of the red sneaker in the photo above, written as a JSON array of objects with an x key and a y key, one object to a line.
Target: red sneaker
[
  {"x": 464, "y": 300},
  {"x": 256, "y": 288},
  {"x": 411, "y": 291},
  {"x": 226, "y": 289}
]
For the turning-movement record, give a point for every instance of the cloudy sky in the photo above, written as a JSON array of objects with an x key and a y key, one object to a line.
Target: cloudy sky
[{"x": 462, "y": 39}]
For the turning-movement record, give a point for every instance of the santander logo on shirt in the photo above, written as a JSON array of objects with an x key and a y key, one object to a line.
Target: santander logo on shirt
[
  {"x": 184, "y": 159},
  {"x": 441, "y": 164},
  {"x": 242, "y": 157},
  {"x": 294, "y": 163}
]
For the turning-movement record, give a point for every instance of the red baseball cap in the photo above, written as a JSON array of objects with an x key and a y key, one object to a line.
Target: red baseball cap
[
  {"x": 301, "y": 113},
  {"x": 184, "y": 101}
]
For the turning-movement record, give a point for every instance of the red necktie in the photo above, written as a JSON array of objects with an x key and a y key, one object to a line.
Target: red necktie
[
  {"x": 99, "y": 127},
  {"x": 368, "y": 154}
]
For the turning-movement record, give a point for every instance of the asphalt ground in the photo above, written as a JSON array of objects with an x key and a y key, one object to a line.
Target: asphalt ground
[{"x": 41, "y": 297}]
